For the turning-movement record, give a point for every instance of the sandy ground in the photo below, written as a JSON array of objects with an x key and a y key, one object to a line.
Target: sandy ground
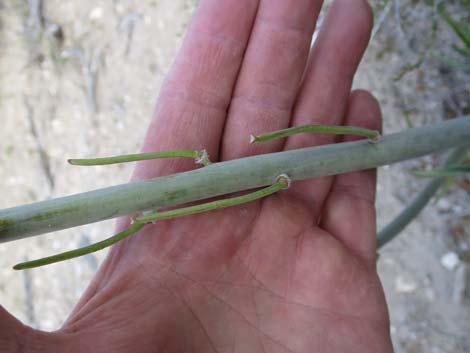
[{"x": 80, "y": 79}]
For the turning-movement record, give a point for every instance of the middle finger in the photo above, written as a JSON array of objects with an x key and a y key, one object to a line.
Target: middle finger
[
  {"x": 270, "y": 75},
  {"x": 327, "y": 83}
]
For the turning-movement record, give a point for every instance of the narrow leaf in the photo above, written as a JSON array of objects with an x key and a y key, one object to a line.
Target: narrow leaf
[
  {"x": 452, "y": 171},
  {"x": 462, "y": 31}
]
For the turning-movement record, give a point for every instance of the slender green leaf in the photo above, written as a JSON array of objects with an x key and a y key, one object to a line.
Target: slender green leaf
[
  {"x": 451, "y": 171},
  {"x": 462, "y": 51},
  {"x": 462, "y": 31},
  {"x": 409, "y": 122}
]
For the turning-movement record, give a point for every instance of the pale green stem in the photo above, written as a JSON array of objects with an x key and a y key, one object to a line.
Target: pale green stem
[
  {"x": 227, "y": 177},
  {"x": 372, "y": 135},
  {"x": 282, "y": 182},
  {"x": 198, "y": 156},
  {"x": 421, "y": 200}
]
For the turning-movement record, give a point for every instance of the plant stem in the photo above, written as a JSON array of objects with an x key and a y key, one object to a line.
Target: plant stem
[
  {"x": 134, "y": 157},
  {"x": 227, "y": 177},
  {"x": 282, "y": 182},
  {"x": 450, "y": 171},
  {"x": 81, "y": 251},
  {"x": 372, "y": 135},
  {"x": 391, "y": 230}
]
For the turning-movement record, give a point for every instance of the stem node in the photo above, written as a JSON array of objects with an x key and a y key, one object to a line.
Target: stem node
[
  {"x": 376, "y": 138},
  {"x": 284, "y": 178},
  {"x": 203, "y": 158}
]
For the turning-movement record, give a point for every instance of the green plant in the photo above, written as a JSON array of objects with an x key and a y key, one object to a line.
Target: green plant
[{"x": 214, "y": 179}]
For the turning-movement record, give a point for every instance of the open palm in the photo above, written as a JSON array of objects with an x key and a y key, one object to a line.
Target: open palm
[{"x": 294, "y": 272}]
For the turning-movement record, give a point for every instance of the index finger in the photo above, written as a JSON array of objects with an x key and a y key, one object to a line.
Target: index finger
[{"x": 190, "y": 112}]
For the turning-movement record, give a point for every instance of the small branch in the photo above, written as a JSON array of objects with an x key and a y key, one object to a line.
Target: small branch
[
  {"x": 383, "y": 16},
  {"x": 136, "y": 157},
  {"x": 396, "y": 8},
  {"x": 449, "y": 171},
  {"x": 282, "y": 182},
  {"x": 372, "y": 135},
  {"x": 80, "y": 252},
  {"x": 227, "y": 177}
]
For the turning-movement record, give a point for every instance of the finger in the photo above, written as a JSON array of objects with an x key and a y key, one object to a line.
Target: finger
[
  {"x": 349, "y": 211},
  {"x": 326, "y": 87},
  {"x": 270, "y": 74},
  {"x": 191, "y": 109}
]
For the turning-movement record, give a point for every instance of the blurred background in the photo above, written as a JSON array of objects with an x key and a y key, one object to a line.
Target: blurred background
[{"x": 80, "y": 78}]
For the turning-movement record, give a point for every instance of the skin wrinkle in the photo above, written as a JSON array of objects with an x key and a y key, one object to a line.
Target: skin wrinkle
[
  {"x": 228, "y": 46},
  {"x": 204, "y": 100},
  {"x": 229, "y": 42},
  {"x": 299, "y": 241},
  {"x": 171, "y": 293},
  {"x": 174, "y": 295},
  {"x": 200, "y": 323},
  {"x": 363, "y": 267},
  {"x": 265, "y": 102},
  {"x": 104, "y": 295},
  {"x": 23, "y": 339},
  {"x": 329, "y": 312},
  {"x": 305, "y": 306},
  {"x": 234, "y": 344},
  {"x": 368, "y": 261},
  {"x": 351, "y": 193},
  {"x": 290, "y": 28},
  {"x": 193, "y": 93},
  {"x": 258, "y": 324},
  {"x": 161, "y": 285},
  {"x": 253, "y": 255},
  {"x": 215, "y": 296},
  {"x": 247, "y": 239},
  {"x": 202, "y": 247},
  {"x": 212, "y": 282},
  {"x": 195, "y": 283},
  {"x": 100, "y": 306},
  {"x": 203, "y": 119},
  {"x": 324, "y": 311},
  {"x": 104, "y": 276},
  {"x": 294, "y": 41}
]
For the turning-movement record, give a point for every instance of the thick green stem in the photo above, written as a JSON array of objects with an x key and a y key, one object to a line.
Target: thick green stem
[
  {"x": 227, "y": 177},
  {"x": 282, "y": 182},
  {"x": 411, "y": 211}
]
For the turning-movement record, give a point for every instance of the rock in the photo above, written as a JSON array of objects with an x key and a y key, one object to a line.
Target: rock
[
  {"x": 405, "y": 284},
  {"x": 450, "y": 260}
]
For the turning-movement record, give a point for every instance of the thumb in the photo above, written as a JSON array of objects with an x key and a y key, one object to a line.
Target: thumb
[{"x": 15, "y": 337}]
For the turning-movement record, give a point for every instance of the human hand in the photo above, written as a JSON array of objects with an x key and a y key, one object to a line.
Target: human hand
[{"x": 294, "y": 272}]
